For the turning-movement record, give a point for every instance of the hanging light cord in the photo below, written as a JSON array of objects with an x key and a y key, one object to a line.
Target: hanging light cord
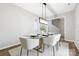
[
  {"x": 42, "y": 10},
  {"x": 45, "y": 12}
]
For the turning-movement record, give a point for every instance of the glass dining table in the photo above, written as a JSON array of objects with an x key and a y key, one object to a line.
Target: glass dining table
[{"x": 40, "y": 48}]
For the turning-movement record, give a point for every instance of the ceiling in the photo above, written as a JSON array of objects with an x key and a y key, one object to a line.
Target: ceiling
[
  {"x": 52, "y": 8},
  {"x": 62, "y": 7}
]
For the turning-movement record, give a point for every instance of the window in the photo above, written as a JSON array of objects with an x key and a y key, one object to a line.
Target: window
[
  {"x": 43, "y": 21},
  {"x": 43, "y": 25}
]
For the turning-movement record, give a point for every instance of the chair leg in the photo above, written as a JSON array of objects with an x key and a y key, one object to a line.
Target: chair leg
[
  {"x": 53, "y": 51},
  {"x": 43, "y": 47},
  {"x": 37, "y": 53},
  {"x": 21, "y": 51},
  {"x": 57, "y": 46},
  {"x": 27, "y": 52}
]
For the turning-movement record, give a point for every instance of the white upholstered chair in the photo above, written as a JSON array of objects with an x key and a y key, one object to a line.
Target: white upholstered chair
[
  {"x": 28, "y": 44},
  {"x": 52, "y": 40}
]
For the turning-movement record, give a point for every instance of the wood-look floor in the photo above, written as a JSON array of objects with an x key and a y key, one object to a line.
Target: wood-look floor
[
  {"x": 72, "y": 49},
  {"x": 4, "y": 53}
]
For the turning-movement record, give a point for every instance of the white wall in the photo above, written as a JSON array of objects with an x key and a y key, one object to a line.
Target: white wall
[
  {"x": 77, "y": 26},
  {"x": 14, "y": 22},
  {"x": 69, "y": 25}
]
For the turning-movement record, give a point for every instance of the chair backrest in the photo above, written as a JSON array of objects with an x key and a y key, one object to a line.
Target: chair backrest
[
  {"x": 52, "y": 39},
  {"x": 56, "y": 37},
  {"x": 29, "y": 43}
]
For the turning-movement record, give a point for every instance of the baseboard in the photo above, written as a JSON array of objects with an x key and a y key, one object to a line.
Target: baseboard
[{"x": 11, "y": 46}]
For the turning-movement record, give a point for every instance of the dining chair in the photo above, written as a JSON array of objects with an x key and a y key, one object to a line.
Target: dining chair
[
  {"x": 52, "y": 40},
  {"x": 28, "y": 44},
  {"x": 57, "y": 38}
]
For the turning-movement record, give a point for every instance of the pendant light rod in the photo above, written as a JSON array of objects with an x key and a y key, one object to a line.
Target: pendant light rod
[{"x": 44, "y": 10}]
